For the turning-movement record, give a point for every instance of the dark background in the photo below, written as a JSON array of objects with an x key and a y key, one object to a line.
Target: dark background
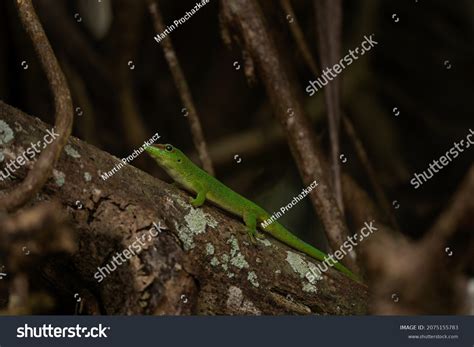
[{"x": 121, "y": 107}]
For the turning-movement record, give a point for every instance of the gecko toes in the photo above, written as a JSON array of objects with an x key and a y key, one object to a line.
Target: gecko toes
[{"x": 259, "y": 235}]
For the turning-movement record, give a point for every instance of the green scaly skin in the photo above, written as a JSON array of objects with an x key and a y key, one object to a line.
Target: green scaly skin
[{"x": 196, "y": 180}]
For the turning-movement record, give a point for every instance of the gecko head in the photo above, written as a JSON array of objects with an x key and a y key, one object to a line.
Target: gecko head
[{"x": 166, "y": 155}]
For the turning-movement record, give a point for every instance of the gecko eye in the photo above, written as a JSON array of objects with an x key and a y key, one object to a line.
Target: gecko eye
[
  {"x": 169, "y": 148},
  {"x": 179, "y": 160}
]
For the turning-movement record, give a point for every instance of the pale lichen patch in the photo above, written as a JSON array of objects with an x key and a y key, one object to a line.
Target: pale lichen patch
[
  {"x": 301, "y": 267},
  {"x": 59, "y": 177},
  {"x": 239, "y": 261},
  {"x": 71, "y": 151},
  {"x": 225, "y": 265},
  {"x": 214, "y": 261},
  {"x": 195, "y": 223},
  {"x": 252, "y": 277},
  {"x": 6, "y": 133},
  {"x": 209, "y": 248},
  {"x": 87, "y": 176},
  {"x": 225, "y": 260},
  {"x": 234, "y": 245},
  {"x": 297, "y": 263},
  {"x": 236, "y": 257},
  {"x": 265, "y": 242}
]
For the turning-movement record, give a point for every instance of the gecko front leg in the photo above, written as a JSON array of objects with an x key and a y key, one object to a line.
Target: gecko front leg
[{"x": 200, "y": 198}]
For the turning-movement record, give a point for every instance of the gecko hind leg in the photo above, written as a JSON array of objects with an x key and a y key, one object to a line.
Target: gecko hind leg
[
  {"x": 199, "y": 200},
  {"x": 250, "y": 220}
]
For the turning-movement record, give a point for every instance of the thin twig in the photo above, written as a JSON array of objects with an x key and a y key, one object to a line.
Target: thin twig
[
  {"x": 183, "y": 88},
  {"x": 87, "y": 126},
  {"x": 299, "y": 37},
  {"x": 364, "y": 160},
  {"x": 43, "y": 167},
  {"x": 328, "y": 28}
]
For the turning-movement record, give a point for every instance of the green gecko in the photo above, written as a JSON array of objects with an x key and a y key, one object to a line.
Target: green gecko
[{"x": 194, "y": 179}]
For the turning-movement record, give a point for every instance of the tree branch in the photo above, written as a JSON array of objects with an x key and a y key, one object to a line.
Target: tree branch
[
  {"x": 201, "y": 263},
  {"x": 328, "y": 29},
  {"x": 43, "y": 167}
]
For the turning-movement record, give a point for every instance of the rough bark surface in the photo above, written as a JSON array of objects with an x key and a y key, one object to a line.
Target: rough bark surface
[{"x": 202, "y": 261}]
